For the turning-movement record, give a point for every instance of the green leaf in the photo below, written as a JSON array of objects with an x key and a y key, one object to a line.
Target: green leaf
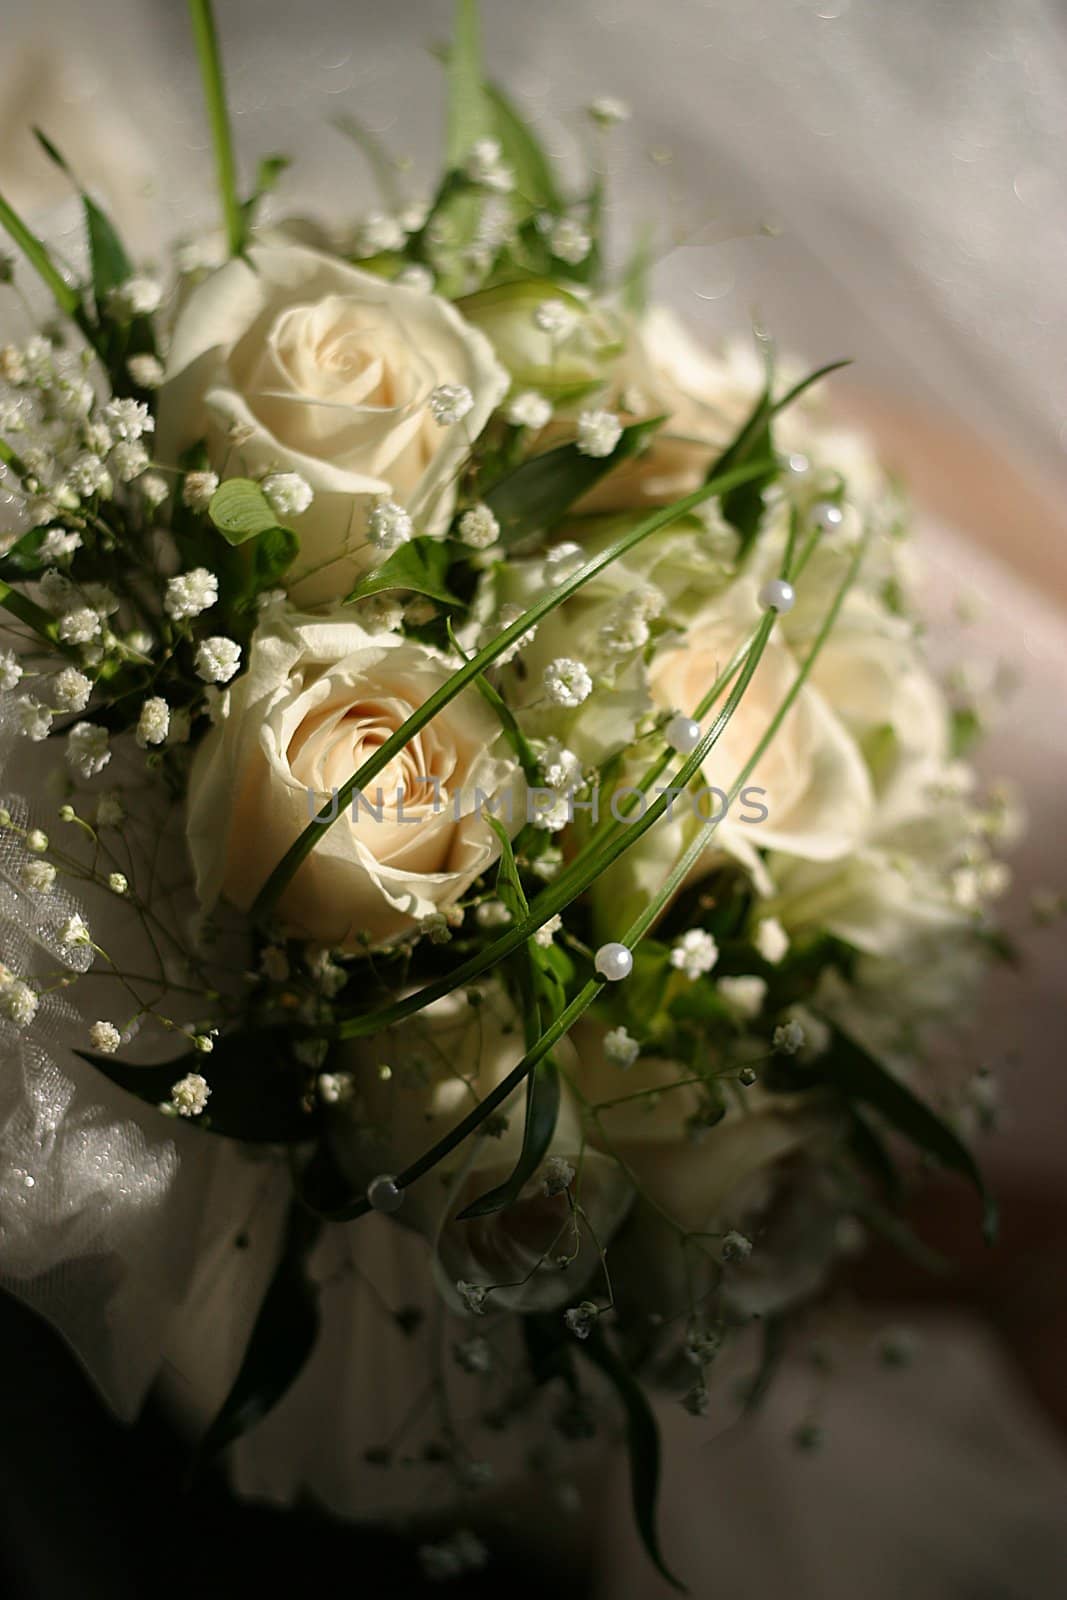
[
  {"x": 257, "y": 1089},
  {"x": 282, "y": 1339},
  {"x": 540, "y": 491},
  {"x": 381, "y": 163},
  {"x": 420, "y": 565},
  {"x": 858, "y": 1076},
  {"x": 42, "y": 622},
  {"x": 642, "y": 1439},
  {"x": 634, "y": 287},
  {"x": 771, "y": 1357},
  {"x": 520, "y": 745},
  {"x": 268, "y": 173},
  {"x": 523, "y": 152},
  {"x": 470, "y": 111},
  {"x": 67, "y": 298},
  {"x": 272, "y": 554},
  {"x": 240, "y": 510},
  {"x": 542, "y": 1111},
  {"x": 24, "y": 557}
]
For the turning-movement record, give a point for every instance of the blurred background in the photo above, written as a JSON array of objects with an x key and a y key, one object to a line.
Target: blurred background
[{"x": 880, "y": 182}]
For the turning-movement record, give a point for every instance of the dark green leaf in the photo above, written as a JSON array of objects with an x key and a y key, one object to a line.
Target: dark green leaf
[
  {"x": 520, "y": 745},
  {"x": 282, "y": 1339},
  {"x": 771, "y": 1357},
  {"x": 858, "y": 1076},
  {"x": 272, "y": 554},
  {"x": 872, "y": 1152},
  {"x": 420, "y": 565},
  {"x": 540, "y": 491},
  {"x": 257, "y": 1089},
  {"x": 542, "y": 1110},
  {"x": 642, "y": 1438},
  {"x": 240, "y": 510}
]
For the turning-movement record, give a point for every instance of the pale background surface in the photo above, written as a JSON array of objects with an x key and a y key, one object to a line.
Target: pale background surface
[{"x": 910, "y": 160}]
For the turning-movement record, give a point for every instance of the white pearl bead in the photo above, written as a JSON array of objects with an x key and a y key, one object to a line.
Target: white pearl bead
[
  {"x": 797, "y": 463},
  {"x": 614, "y": 962},
  {"x": 826, "y": 515},
  {"x": 778, "y": 594},
  {"x": 683, "y": 734},
  {"x": 383, "y": 1193}
]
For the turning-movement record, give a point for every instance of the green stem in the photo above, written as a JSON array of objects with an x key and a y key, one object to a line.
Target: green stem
[
  {"x": 66, "y": 297},
  {"x": 303, "y": 845},
  {"x": 207, "y": 49}
]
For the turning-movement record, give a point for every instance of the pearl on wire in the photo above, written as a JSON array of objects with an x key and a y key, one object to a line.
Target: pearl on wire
[
  {"x": 682, "y": 734},
  {"x": 825, "y": 514},
  {"x": 384, "y": 1194},
  {"x": 614, "y": 962},
  {"x": 778, "y": 595}
]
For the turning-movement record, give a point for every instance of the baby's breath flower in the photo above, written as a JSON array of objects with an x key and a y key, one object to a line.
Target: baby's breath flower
[
  {"x": 435, "y": 927},
  {"x": 388, "y": 525},
  {"x": 625, "y": 629},
  {"x": 59, "y": 544},
  {"x": 743, "y": 995},
  {"x": 35, "y": 720},
  {"x": 479, "y": 528},
  {"x": 528, "y": 409},
  {"x": 449, "y": 403},
  {"x": 67, "y": 813},
  {"x": 37, "y": 876},
  {"x": 79, "y": 625},
  {"x": 71, "y": 690},
  {"x": 87, "y": 475},
  {"x": 620, "y": 1049},
  {"x": 288, "y": 494},
  {"x": 139, "y": 296},
  {"x": 128, "y": 420},
  {"x": 153, "y": 486},
  {"x": 607, "y": 110},
  {"x": 377, "y": 233},
  {"x": 380, "y": 613},
  {"x": 560, "y": 767},
  {"x": 562, "y": 562},
  {"x": 198, "y": 489},
  {"x": 105, "y": 1037},
  {"x": 190, "y": 1095},
  {"x": 569, "y": 241},
  {"x": 473, "y": 1295},
  {"x": 56, "y": 589},
  {"x": 118, "y": 882},
  {"x": 204, "y": 1043},
  {"x": 190, "y": 593},
  {"x": 110, "y": 811},
  {"x": 551, "y": 815},
  {"x": 145, "y": 370},
  {"x": 335, "y": 1088},
  {"x": 695, "y": 953},
  {"x": 474, "y": 1355},
  {"x": 581, "y": 1319},
  {"x": 567, "y": 682},
  {"x": 217, "y": 659},
  {"x": 545, "y": 933},
  {"x": 129, "y": 459},
  {"x": 492, "y": 914},
  {"x": 484, "y": 166},
  {"x": 153, "y": 724},
  {"x": 416, "y": 277},
  {"x": 771, "y": 940},
  {"x": 75, "y": 930},
  {"x": 87, "y": 749},
  {"x": 37, "y": 840},
  {"x": 735, "y": 1246},
  {"x": 18, "y": 1002},
  {"x": 556, "y": 318},
  {"x": 557, "y": 1175},
  {"x": 598, "y": 432},
  {"x": 10, "y": 670},
  {"x": 508, "y": 614},
  {"x": 789, "y": 1037},
  {"x": 697, "y": 1399}
]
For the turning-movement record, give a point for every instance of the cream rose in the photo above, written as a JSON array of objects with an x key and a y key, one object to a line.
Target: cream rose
[
  {"x": 295, "y": 362},
  {"x": 320, "y": 696},
  {"x": 725, "y": 1177},
  {"x": 443, "y": 1061}
]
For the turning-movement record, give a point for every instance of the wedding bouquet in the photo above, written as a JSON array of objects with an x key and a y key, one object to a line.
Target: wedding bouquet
[{"x": 581, "y": 846}]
